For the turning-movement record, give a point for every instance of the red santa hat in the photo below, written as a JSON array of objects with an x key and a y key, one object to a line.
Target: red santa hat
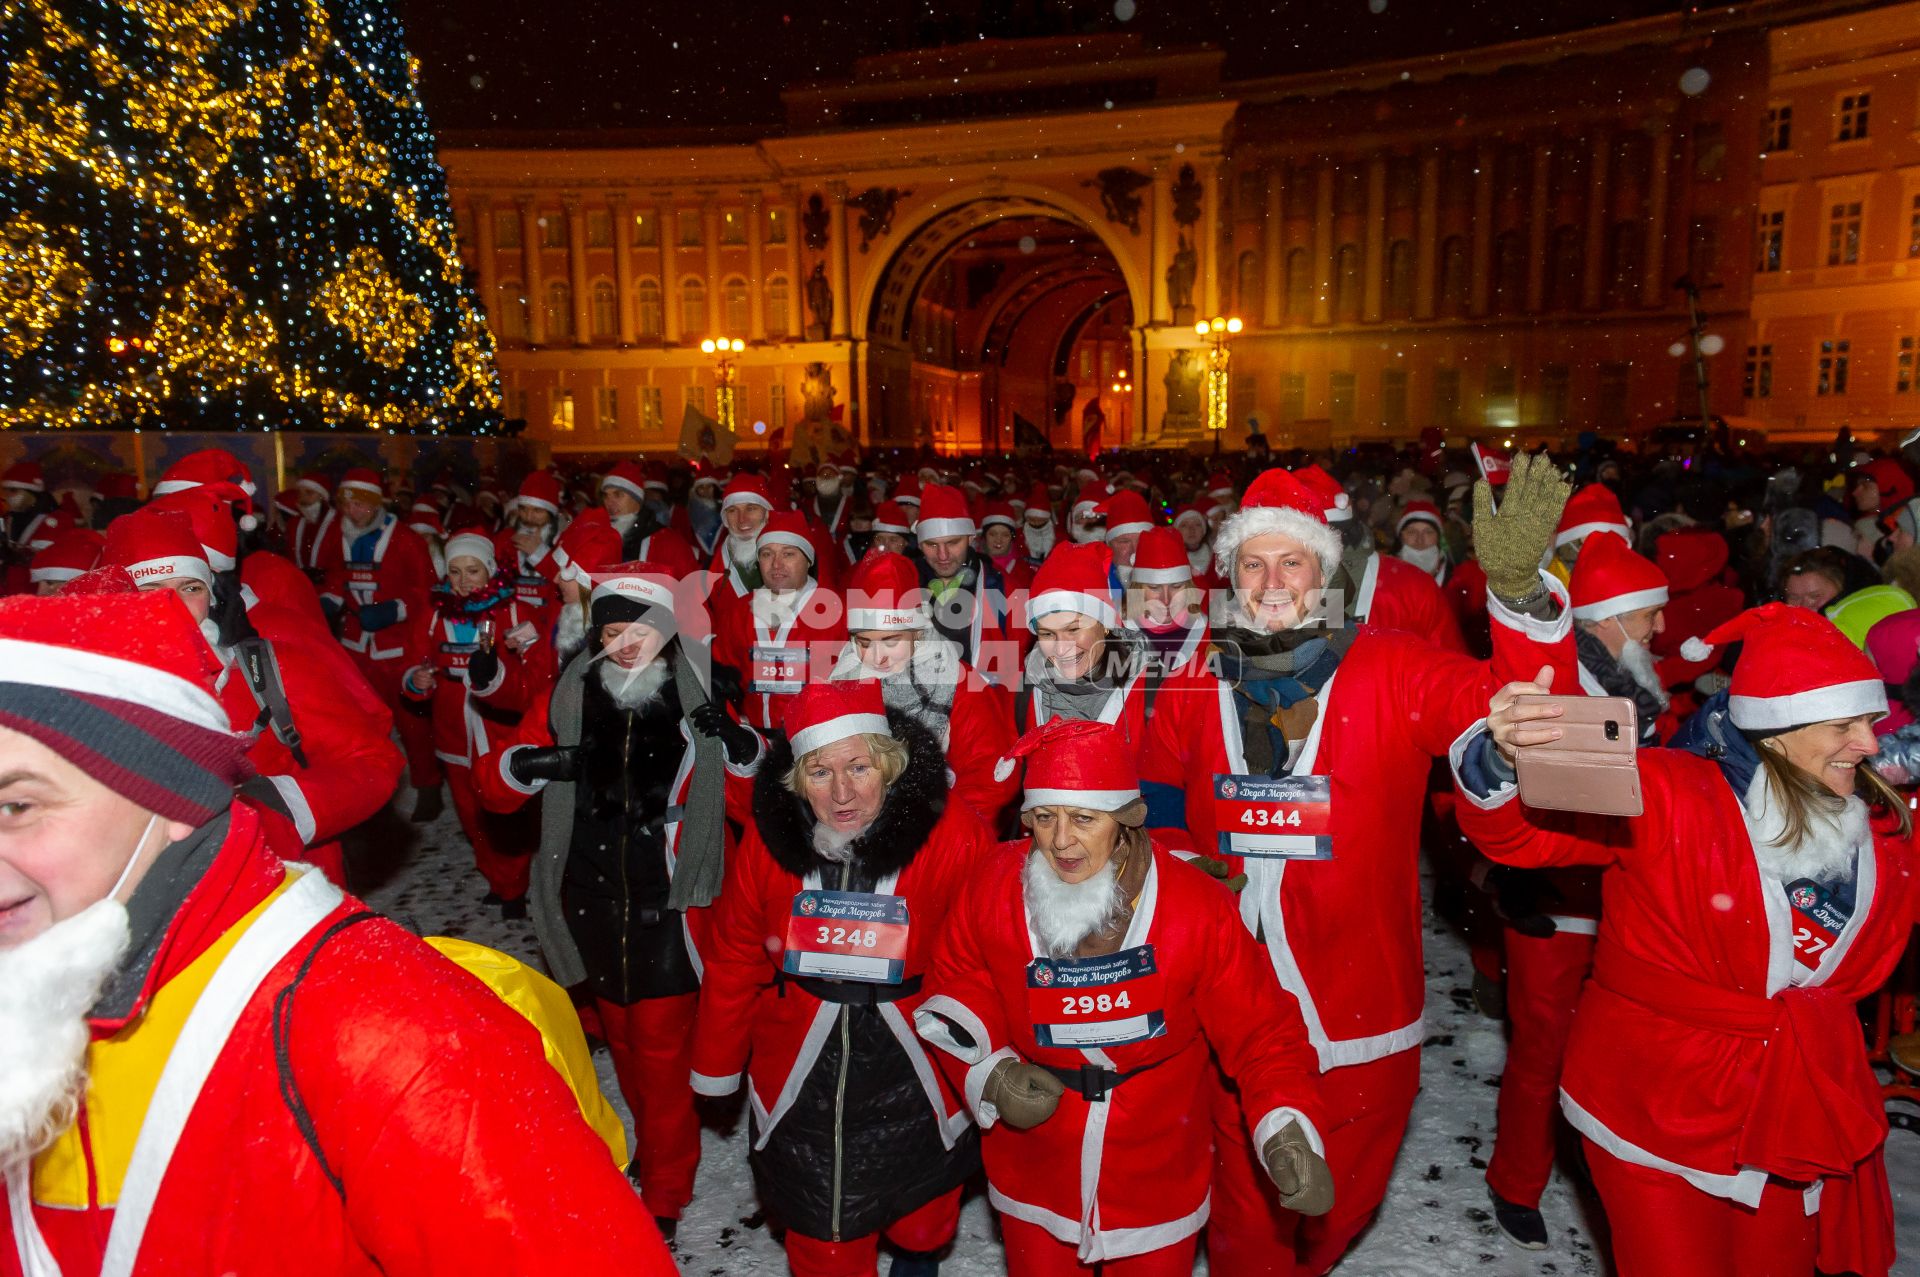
[
  {"x": 636, "y": 591},
  {"x": 1795, "y": 668},
  {"x": 316, "y": 484},
  {"x": 1592, "y": 509},
  {"x": 1126, "y": 513},
  {"x": 656, "y": 476},
  {"x": 908, "y": 491},
  {"x": 25, "y": 475},
  {"x": 1276, "y": 502},
  {"x": 586, "y": 546},
  {"x": 788, "y": 527},
  {"x": 208, "y": 465},
  {"x": 1691, "y": 557},
  {"x": 1001, "y": 513},
  {"x": 118, "y": 485},
  {"x": 1220, "y": 485},
  {"x": 155, "y": 545},
  {"x": 1419, "y": 511},
  {"x": 424, "y": 518},
  {"x": 1075, "y": 578},
  {"x": 891, "y": 517},
  {"x": 364, "y": 480},
  {"x": 884, "y": 593},
  {"x": 820, "y": 714},
  {"x": 1073, "y": 762},
  {"x": 1335, "y": 504},
  {"x": 70, "y": 553},
  {"x": 628, "y": 477},
  {"x": 1193, "y": 510},
  {"x": 1161, "y": 559},
  {"x": 207, "y": 511},
  {"x": 287, "y": 502},
  {"x": 1609, "y": 579},
  {"x": 943, "y": 513},
  {"x": 745, "y": 489},
  {"x": 472, "y": 545},
  {"x": 541, "y": 490},
  {"x": 1038, "y": 498},
  {"x": 1092, "y": 497}
]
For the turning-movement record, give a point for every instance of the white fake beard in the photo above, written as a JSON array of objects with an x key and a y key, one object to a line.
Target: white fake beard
[
  {"x": 1637, "y": 661},
  {"x": 570, "y": 633},
  {"x": 635, "y": 688},
  {"x": 835, "y": 846},
  {"x": 311, "y": 513},
  {"x": 1829, "y": 848},
  {"x": 1084, "y": 535},
  {"x": 354, "y": 531},
  {"x": 827, "y": 488},
  {"x": 622, "y": 522},
  {"x": 1039, "y": 540},
  {"x": 743, "y": 552},
  {"x": 47, "y": 985},
  {"x": 1426, "y": 558},
  {"x": 1066, "y": 913},
  {"x": 545, "y": 531}
]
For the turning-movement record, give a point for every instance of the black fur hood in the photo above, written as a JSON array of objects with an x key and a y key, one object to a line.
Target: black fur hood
[{"x": 913, "y": 806}]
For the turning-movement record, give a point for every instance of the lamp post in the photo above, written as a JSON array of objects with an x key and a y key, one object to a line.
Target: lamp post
[
  {"x": 1217, "y": 332},
  {"x": 724, "y": 350},
  {"x": 1123, "y": 398}
]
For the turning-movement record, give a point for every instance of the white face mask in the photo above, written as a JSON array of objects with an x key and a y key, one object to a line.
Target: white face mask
[
  {"x": 310, "y": 511},
  {"x": 1426, "y": 558}
]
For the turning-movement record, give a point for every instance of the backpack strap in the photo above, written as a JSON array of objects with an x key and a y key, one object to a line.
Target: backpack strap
[
  {"x": 282, "y": 1056},
  {"x": 261, "y": 666}
]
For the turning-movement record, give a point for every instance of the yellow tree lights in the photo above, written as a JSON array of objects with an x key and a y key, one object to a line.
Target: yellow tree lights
[
  {"x": 1217, "y": 333},
  {"x": 227, "y": 214}
]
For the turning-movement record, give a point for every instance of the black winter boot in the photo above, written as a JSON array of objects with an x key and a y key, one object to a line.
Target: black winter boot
[
  {"x": 915, "y": 1263},
  {"x": 427, "y": 805},
  {"x": 1524, "y": 1226}
]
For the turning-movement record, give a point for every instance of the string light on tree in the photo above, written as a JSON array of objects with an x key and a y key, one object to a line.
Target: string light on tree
[
  {"x": 724, "y": 350},
  {"x": 1217, "y": 332}
]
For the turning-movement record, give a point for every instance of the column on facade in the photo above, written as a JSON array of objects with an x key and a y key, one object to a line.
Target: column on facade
[
  {"x": 1539, "y": 225},
  {"x": 1273, "y": 249},
  {"x": 669, "y": 237},
  {"x": 530, "y": 263},
  {"x": 710, "y": 237},
  {"x": 1208, "y": 231},
  {"x": 622, "y": 214},
  {"x": 577, "y": 272},
  {"x": 1161, "y": 231},
  {"x": 797, "y": 270},
  {"x": 1323, "y": 242},
  {"x": 1482, "y": 227},
  {"x": 1376, "y": 242},
  {"x": 1427, "y": 235},
  {"x": 1598, "y": 183},
  {"x": 756, "y": 271},
  {"x": 1654, "y": 260},
  {"x": 837, "y": 264},
  {"x": 488, "y": 272}
]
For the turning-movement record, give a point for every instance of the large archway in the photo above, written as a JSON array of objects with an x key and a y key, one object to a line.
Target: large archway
[{"x": 1000, "y": 322}]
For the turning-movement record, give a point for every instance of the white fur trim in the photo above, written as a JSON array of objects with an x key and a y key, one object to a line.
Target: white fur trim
[
  {"x": 726, "y": 503},
  {"x": 1254, "y": 521},
  {"x": 714, "y": 1087},
  {"x": 1414, "y": 516},
  {"x": 933, "y": 529},
  {"x": 1580, "y": 531},
  {"x": 353, "y": 485},
  {"x": 898, "y": 529},
  {"x": 539, "y": 504},
  {"x": 1049, "y": 602},
  {"x": 1815, "y": 705},
  {"x": 297, "y": 806},
  {"x": 1696, "y": 649},
  {"x": 821, "y": 735},
  {"x": 1001, "y": 520},
  {"x": 1091, "y": 799},
  {"x": 862, "y": 619},
  {"x": 1003, "y": 768},
  {"x": 1276, "y": 1121},
  {"x": 1161, "y": 576},
  {"x": 1620, "y": 604},
  {"x": 171, "y": 566},
  {"x": 793, "y": 539},
  {"x": 1532, "y": 626},
  {"x": 637, "y": 588},
  {"x": 1120, "y": 530},
  {"x": 53, "y": 574}
]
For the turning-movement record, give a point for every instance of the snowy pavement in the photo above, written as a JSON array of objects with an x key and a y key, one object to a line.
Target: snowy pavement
[{"x": 1435, "y": 1219}]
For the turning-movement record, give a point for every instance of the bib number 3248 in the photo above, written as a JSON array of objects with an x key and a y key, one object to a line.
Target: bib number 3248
[{"x": 847, "y": 935}]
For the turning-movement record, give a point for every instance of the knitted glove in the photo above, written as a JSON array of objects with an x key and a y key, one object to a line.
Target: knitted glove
[
  {"x": 1218, "y": 869},
  {"x": 1025, "y": 1094},
  {"x": 544, "y": 762},
  {"x": 483, "y": 667},
  {"x": 1514, "y": 543},
  {"x": 1302, "y": 1175},
  {"x": 378, "y": 616},
  {"x": 739, "y": 739}
]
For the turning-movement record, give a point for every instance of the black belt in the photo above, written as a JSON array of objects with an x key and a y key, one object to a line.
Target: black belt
[
  {"x": 853, "y": 993},
  {"x": 1093, "y": 1081}
]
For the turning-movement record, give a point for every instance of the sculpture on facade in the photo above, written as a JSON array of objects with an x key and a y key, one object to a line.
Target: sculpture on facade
[
  {"x": 1182, "y": 384},
  {"x": 813, "y": 222},
  {"x": 1181, "y": 272},
  {"x": 816, "y": 391},
  {"x": 1186, "y": 196},
  {"x": 876, "y": 211},
  {"x": 819, "y": 303},
  {"x": 1119, "y": 187}
]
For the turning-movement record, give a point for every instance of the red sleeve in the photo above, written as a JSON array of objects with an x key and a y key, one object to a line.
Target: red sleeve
[
  {"x": 1508, "y": 831},
  {"x": 406, "y": 572},
  {"x": 979, "y": 734},
  {"x": 419, "y": 646},
  {"x": 499, "y": 792},
  {"x": 962, "y": 1014}
]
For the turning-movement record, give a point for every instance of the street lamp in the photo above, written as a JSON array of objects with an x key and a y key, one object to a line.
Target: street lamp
[
  {"x": 1217, "y": 332},
  {"x": 1123, "y": 389},
  {"x": 724, "y": 350}
]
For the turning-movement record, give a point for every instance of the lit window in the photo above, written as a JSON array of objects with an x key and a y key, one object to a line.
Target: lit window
[
  {"x": 1843, "y": 234},
  {"x": 561, "y": 418},
  {"x": 1772, "y": 238},
  {"x": 606, "y": 310},
  {"x": 697, "y": 398},
  {"x": 1779, "y": 133},
  {"x": 653, "y": 416},
  {"x": 1850, "y": 118},
  {"x": 776, "y": 226},
  {"x": 776, "y": 406},
  {"x": 778, "y": 304},
  {"x": 733, "y": 227},
  {"x": 1832, "y": 379},
  {"x": 606, "y": 409},
  {"x": 646, "y": 230}
]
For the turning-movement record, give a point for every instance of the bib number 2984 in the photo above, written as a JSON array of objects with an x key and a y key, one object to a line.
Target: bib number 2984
[{"x": 1089, "y": 1002}]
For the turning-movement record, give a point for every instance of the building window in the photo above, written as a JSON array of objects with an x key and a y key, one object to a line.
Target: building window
[
  {"x": 599, "y": 228},
  {"x": 777, "y": 406},
  {"x": 653, "y": 417},
  {"x": 1503, "y": 402},
  {"x": 1299, "y": 284},
  {"x": 1913, "y": 229},
  {"x": 1346, "y": 282},
  {"x": 1843, "y": 234},
  {"x": 1779, "y": 134},
  {"x": 647, "y": 308},
  {"x": 1625, "y": 248},
  {"x": 559, "y": 311},
  {"x": 646, "y": 230},
  {"x": 733, "y": 226},
  {"x": 1553, "y": 394},
  {"x": 606, "y": 310},
  {"x": 693, "y": 307},
  {"x": 1611, "y": 405},
  {"x": 776, "y": 226},
  {"x": 689, "y": 222},
  {"x": 561, "y": 417},
  {"x": 1393, "y": 398},
  {"x": 1446, "y": 396},
  {"x": 1834, "y": 357},
  {"x": 1086, "y": 364},
  {"x": 511, "y": 309},
  {"x": 697, "y": 398},
  {"x": 1568, "y": 263},
  {"x": 1455, "y": 277},
  {"x": 1248, "y": 287},
  {"x": 1400, "y": 279},
  {"x": 779, "y": 302},
  {"x": 1903, "y": 380},
  {"x": 506, "y": 230},
  {"x": 736, "y": 307},
  {"x": 1850, "y": 118},
  {"x": 1340, "y": 398},
  {"x": 1509, "y": 272},
  {"x": 606, "y": 409},
  {"x": 553, "y": 231},
  {"x": 1773, "y": 232},
  {"x": 1756, "y": 378},
  {"x": 1293, "y": 397}
]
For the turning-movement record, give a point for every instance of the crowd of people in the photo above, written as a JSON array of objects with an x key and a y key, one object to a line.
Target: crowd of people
[{"x": 985, "y": 822}]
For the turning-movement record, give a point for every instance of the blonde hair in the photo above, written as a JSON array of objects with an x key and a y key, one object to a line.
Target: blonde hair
[{"x": 889, "y": 755}]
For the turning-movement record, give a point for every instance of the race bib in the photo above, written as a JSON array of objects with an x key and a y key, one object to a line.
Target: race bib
[
  {"x": 778, "y": 671},
  {"x": 847, "y": 935},
  {"x": 1287, "y": 817},
  {"x": 1110, "y": 1001},
  {"x": 531, "y": 588},
  {"x": 1818, "y": 920},
  {"x": 363, "y": 579}
]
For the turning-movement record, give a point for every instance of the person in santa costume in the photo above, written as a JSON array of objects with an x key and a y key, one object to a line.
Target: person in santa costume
[
  {"x": 588, "y": 544},
  {"x": 315, "y": 524},
  {"x": 525, "y": 544},
  {"x": 1085, "y": 976},
  {"x": 999, "y": 525},
  {"x": 1196, "y": 535},
  {"x": 1418, "y": 530},
  {"x": 1767, "y": 888},
  {"x": 638, "y": 767},
  {"x": 1127, "y": 518},
  {"x": 966, "y": 593},
  {"x": 1619, "y": 609},
  {"x": 72, "y": 553},
  {"x": 1038, "y": 531},
  {"x": 1376, "y": 589},
  {"x": 698, "y": 521},
  {"x": 1592, "y": 509},
  {"x": 831, "y": 500},
  {"x": 890, "y": 638},
  {"x": 28, "y": 508},
  {"x": 854, "y": 856},
  {"x": 1312, "y": 725},
  {"x": 269, "y": 575},
  {"x": 1165, "y": 605},
  {"x": 1085, "y": 662},
  {"x": 1084, "y": 517},
  {"x": 479, "y": 658},
  {"x": 745, "y": 506},
  {"x": 787, "y": 632},
  {"x": 186, "y": 1019},
  {"x": 635, "y": 513},
  {"x": 320, "y": 737},
  {"x": 892, "y": 529},
  {"x": 376, "y": 574}
]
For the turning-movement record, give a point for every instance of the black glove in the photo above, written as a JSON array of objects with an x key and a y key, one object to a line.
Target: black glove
[
  {"x": 1521, "y": 897},
  {"x": 715, "y": 723},
  {"x": 375, "y": 617},
  {"x": 261, "y": 792},
  {"x": 331, "y": 610},
  {"x": 544, "y": 762},
  {"x": 727, "y": 687},
  {"x": 483, "y": 667}
]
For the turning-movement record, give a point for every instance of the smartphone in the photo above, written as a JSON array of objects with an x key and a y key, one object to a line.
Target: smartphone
[{"x": 1593, "y": 767}]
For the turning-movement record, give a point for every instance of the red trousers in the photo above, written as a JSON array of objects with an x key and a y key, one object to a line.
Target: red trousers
[
  {"x": 1543, "y": 984},
  {"x": 929, "y": 1228},
  {"x": 412, "y": 719},
  {"x": 652, "y": 1045},
  {"x": 1250, "y": 1234},
  {"x": 503, "y": 845},
  {"x": 1665, "y": 1227},
  {"x": 1032, "y": 1251}
]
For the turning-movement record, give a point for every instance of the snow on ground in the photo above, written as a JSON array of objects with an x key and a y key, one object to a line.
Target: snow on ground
[{"x": 1435, "y": 1219}]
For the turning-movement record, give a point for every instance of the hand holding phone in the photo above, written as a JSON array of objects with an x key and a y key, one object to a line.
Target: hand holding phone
[{"x": 1590, "y": 764}]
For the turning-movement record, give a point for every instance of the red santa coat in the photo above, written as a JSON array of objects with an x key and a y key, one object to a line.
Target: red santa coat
[
  {"x": 1694, "y": 984},
  {"x": 305, "y": 539},
  {"x": 426, "y": 1093},
  {"x": 471, "y": 722},
  {"x": 535, "y": 577},
  {"x": 399, "y": 569},
  {"x": 1395, "y": 595},
  {"x": 1344, "y": 934},
  {"x": 275, "y": 579},
  {"x": 811, "y": 641},
  {"x": 773, "y": 1033},
  {"x": 1131, "y": 1173}
]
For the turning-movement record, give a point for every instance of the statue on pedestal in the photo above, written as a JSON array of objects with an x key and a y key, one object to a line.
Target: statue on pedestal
[
  {"x": 819, "y": 302},
  {"x": 1181, "y": 272}
]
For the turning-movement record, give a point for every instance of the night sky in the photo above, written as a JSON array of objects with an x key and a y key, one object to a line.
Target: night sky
[{"x": 671, "y": 64}]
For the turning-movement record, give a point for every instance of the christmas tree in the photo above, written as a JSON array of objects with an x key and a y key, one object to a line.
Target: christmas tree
[{"x": 227, "y": 214}]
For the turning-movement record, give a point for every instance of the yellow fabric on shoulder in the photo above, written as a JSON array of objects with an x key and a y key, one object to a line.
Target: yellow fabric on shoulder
[
  {"x": 122, "y": 1073},
  {"x": 544, "y": 1005}
]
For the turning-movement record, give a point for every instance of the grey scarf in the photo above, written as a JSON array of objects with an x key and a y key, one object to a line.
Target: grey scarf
[
  {"x": 1084, "y": 698},
  {"x": 701, "y": 863}
]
